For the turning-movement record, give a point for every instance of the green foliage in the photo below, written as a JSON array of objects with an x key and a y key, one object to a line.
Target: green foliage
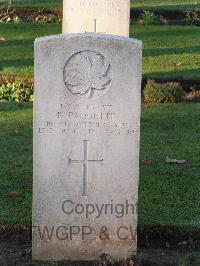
[
  {"x": 7, "y": 15},
  {"x": 48, "y": 18},
  {"x": 148, "y": 18},
  {"x": 16, "y": 92},
  {"x": 169, "y": 92},
  {"x": 8, "y": 3},
  {"x": 8, "y": 18},
  {"x": 193, "y": 17},
  {"x": 16, "y": 19}
]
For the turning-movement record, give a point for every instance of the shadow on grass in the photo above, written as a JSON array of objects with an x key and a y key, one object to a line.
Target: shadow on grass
[
  {"x": 168, "y": 51},
  {"x": 16, "y": 63},
  {"x": 168, "y": 7},
  {"x": 22, "y": 42},
  {"x": 7, "y": 106},
  {"x": 164, "y": 32},
  {"x": 190, "y": 74}
]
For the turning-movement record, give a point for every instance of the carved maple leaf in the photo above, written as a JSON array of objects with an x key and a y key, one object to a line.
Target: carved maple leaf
[{"x": 87, "y": 71}]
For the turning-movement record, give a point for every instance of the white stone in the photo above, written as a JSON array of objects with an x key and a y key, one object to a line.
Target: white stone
[
  {"x": 86, "y": 146},
  {"x": 101, "y": 16}
]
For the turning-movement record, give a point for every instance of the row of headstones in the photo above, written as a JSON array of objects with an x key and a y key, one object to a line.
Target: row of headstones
[{"x": 86, "y": 135}]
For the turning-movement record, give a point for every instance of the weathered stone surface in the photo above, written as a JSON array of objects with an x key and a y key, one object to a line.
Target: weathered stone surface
[
  {"x": 101, "y": 16},
  {"x": 86, "y": 146}
]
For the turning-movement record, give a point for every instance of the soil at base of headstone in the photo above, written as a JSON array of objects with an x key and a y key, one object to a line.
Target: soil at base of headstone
[
  {"x": 18, "y": 253},
  {"x": 15, "y": 249}
]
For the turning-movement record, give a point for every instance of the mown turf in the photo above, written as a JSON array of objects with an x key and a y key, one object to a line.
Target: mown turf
[
  {"x": 16, "y": 53},
  {"x": 169, "y": 51},
  {"x": 168, "y": 195},
  {"x": 15, "y": 162},
  {"x": 166, "y": 4},
  {"x": 35, "y": 3},
  {"x": 141, "y": 4}
]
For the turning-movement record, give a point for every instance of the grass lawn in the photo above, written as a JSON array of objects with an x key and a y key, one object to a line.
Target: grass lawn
[
  {"x": 169, "y": 51},
  {"x": 15, "y": 162},
  {"x": 166, "y": 4},
  {"x": 142, "y": 4},
  {"x": 35, "y": 3},
  {"x": 169, "y": 194},
  {"x": 165, "y": 47}
]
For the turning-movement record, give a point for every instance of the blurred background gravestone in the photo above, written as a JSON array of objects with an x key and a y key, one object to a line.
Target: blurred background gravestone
[{"x": 100, "y": 16}]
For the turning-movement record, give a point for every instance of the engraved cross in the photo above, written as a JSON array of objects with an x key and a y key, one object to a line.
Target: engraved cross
[
  {"x": 85, "y": 163},
  {"x": 95, "y": 28}
]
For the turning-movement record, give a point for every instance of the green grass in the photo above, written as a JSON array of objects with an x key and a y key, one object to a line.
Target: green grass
[
  {"x": 168, "y": 194},
  {"x": 167, "y": 46},
  {"x": 35, "y": 3},
  {"x": 16, "y": 53},
  {"x": 15, "y": 162},
  {"x": 164, "y": 47},
  {"x": 142, "y": 4},
  {"x": 166, "y": 4}
]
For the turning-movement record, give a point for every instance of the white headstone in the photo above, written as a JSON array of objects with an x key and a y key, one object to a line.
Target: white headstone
[
  {"x": 86, "y": 146},
  {"x": 100, "y": 16}
]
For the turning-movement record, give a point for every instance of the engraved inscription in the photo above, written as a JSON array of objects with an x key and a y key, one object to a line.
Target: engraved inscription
[
  {"x": 95, "y": 28},
  {"x": 113, "y": 7},
  {"x": 88, "y": 119},
  {"x": 87, "y": 73},
  {"x": 85, "y": 162}
]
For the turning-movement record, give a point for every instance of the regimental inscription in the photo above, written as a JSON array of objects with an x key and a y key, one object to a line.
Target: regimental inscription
[
  {"x": 111, "y": 7},
  {"x": 88, "y": 119},
  {"x": 88, "y": 74},
  {"x": 85, "y": 163}
]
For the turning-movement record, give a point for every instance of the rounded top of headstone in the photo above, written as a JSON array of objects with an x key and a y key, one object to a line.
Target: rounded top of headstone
[{"x": 88, "y": 35}]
